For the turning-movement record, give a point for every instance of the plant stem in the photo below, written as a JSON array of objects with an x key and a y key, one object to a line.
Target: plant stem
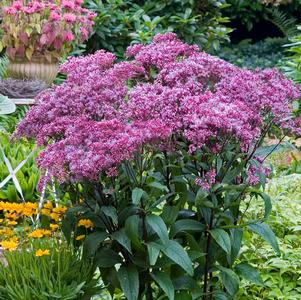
[
  {"x": 149, "y": 292},
  {"x": 206, "y": 268}
]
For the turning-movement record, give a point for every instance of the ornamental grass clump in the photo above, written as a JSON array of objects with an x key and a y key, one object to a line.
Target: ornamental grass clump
[
  {"x": 163, "y": 152},
  {"x": 49, "y": 28}
]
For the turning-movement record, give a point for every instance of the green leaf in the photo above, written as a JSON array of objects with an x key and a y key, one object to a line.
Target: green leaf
[
  {"x": 170, "y": 214},
  {"x": 183, "y": 295},
  {"x": 107, "y": 258},
  {"x": 186, "y": 225},
  {"x": 230, "y": 280},
  {"x": 110, "y": 212},
  {"x": 176, "y": 253},
  {"x": 164, "y": 281},
  {"x": 132, "y": 229},
  {"x": 219, "y": 295},
  {"x": 158, "y": 186},
  {"x": 121, "y": 237},
  {"x": 200, "y": 197},
  {"x": 222, "y": 239},
  {"x": 67, "y": 225},
  {"x": 137, "y": 195},
  {"x": 266, "y": 233},
  {"x": 153, "y": 250},
  {"x": 267, "y": 204},
  {"x": 129, "y": 281},
  {"x": 157, "y": 224},
  {"x": 236, "y": 238},
  {"x": 92, "y": 242},
  {"x": 249, "y": 273},
  {"x": 7, "y": 106}
]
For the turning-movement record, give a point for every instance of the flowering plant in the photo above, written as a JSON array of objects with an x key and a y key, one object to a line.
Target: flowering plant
[
  {"x": 18, "y": 226},
  {"x": 163, "y": 153},
  {"x": 49, "y": 28}
]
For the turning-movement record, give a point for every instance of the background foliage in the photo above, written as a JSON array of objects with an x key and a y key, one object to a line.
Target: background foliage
[{"x": 121, "y": 22}]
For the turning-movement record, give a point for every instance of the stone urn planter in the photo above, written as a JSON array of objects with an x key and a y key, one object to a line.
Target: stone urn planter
[{"x": 37, "y": 68}]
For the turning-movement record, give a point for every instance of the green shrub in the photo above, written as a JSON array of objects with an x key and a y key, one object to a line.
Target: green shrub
[
  {"x": 264, "y": 54},
  {"x": 292, "y": 64},
  {"x": 121, "y": 22},
  {"x": 281, "y": 274},
  {"x": 249, "y": 12}
]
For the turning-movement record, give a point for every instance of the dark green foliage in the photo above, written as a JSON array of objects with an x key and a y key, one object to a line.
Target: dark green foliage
[
  {"x": 286, "y": 24},
  {"x": 157, "y": 235},
  {"x": 247, "y": 12},
  {"x": 264, "y": 54},
  {"x": 250, "y": 12},
  {"x": 121, "y": 22}
]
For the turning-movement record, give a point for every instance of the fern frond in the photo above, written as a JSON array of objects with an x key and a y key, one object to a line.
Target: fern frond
[{"x": 287, "y": 25}]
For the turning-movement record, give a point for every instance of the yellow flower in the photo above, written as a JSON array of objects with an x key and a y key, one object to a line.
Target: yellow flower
[
  {"x": 13, "y": 216},
  {"x": 14, "y": 239},
  {"x": 55, "y": 216},
  {"x": 27, "y": 209},
  {"x": 45, "y": 211},
  {"x": 41, "y": 252},
  {"x": 11, "y": 223},
  {"x": 38, "y": 233},
  {"x": 80, "y": 237},
  {"x": 9, "y": 245},
  {"x": 48, "y": 205},
  {"x": 86, "y": 223},
  {"x": 54, "y": 226},
  {"x": 6, "y": 232},
  {"x": 59, "y": 210}
]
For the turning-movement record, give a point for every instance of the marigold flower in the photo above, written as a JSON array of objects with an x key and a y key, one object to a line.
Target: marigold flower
[
  {"x": 41, "y": 252},
  {"x": 85, "y": 223},
  {"x": 80, "y": 237}
]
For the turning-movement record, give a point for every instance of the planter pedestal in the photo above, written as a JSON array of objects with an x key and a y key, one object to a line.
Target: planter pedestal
[{"x": 37, "y": 68}]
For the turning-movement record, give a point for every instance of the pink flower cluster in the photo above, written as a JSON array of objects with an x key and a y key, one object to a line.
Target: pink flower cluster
[
  {"x": 44, "y": 26},
  {"x": 207, "y": 180},
  {"x": 105, "y": 111}
]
